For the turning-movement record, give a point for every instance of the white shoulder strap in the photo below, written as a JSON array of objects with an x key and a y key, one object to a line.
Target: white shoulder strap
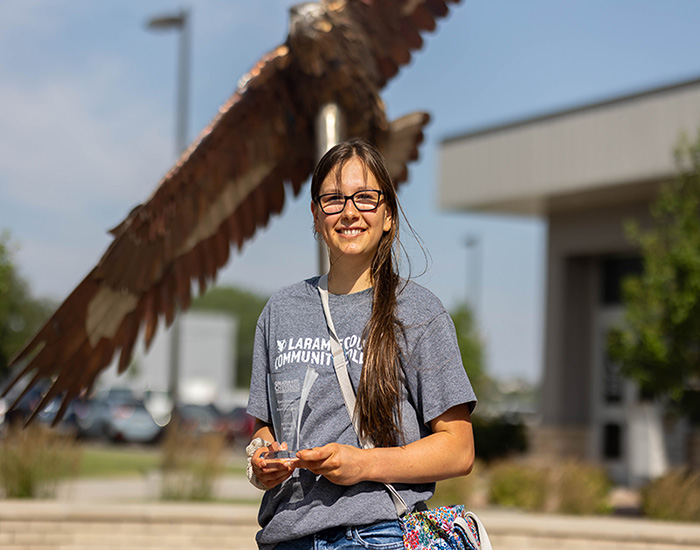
[
  {"x": 341, "y": 372},
  {"x": 339, "y": 362}
]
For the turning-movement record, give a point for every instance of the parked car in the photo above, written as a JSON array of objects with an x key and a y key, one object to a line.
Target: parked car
[
  {"x": 67, "y": 423},
  {"x": 27, "y": 405},
  {"x": 24, "y": 408},
  {"x": 243, "y": 425},
  {"x": 118, "y": 417},
  {"x": 205, "y": 419}
]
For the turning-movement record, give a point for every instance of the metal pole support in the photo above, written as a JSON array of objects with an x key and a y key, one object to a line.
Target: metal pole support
[{"x": 330, "y": 130}]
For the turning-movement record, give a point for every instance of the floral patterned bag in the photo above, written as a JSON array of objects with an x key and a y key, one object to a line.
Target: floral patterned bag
[{"x": 444, "y": 528}]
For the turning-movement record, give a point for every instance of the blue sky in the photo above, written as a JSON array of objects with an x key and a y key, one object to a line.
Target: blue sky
[{"x": 87, "y": 124}]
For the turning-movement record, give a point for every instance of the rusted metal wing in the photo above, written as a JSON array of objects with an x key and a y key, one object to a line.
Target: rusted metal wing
[{"x": 230, "y": 181}]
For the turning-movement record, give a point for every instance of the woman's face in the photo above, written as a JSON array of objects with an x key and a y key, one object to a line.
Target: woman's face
[{"x": 351, "y": 233}]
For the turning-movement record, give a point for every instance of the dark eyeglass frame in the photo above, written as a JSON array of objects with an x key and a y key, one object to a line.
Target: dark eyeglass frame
[{"x": 346, "y": 198}]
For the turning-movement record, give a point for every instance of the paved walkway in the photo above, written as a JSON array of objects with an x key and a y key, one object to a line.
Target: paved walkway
[
  {"x": 147, "y": 489},
  {"x": 37, "y": 525},
  {"x": 125, "y": 513}
]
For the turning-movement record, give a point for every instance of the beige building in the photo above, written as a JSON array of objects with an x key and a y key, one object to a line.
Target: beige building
[{"x": 585, "y": 171}]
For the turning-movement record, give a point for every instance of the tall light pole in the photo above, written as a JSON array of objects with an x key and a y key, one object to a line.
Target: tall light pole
[{"x": 180, "y": 23}]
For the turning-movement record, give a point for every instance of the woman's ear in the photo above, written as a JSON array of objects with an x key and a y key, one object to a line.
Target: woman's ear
[
  {"x": 317, "y": 221},
  {"x": 388, "y": 220}
]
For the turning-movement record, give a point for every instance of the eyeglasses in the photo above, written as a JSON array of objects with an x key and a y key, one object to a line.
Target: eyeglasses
[{"x": 334, "y": 203}]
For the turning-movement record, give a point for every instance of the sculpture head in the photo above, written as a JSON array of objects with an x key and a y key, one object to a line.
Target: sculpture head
[{"x": 308, "y": 19}]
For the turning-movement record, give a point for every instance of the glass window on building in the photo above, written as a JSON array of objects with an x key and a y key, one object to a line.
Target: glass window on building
[
  {"x": 614, "y": 270},
  {"x": 612, "y": 441},
  {"x": 612, "y": 380}
]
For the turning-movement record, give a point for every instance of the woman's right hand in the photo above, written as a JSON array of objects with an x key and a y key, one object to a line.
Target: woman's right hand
[{"x": 271, "y": 473}]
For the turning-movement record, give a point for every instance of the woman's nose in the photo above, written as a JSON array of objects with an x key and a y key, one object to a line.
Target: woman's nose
[{"x": 350, "y": 210}]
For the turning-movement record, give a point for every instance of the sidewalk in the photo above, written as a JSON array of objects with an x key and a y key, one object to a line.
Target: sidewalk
[
  {"x": 49, "y": 525},
  {"x": 132, "y": 490},
  {"x": 124, "y": 513}
]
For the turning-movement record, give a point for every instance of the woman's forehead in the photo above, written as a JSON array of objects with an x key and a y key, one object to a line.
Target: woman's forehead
[{"x": 352, "y": 174}]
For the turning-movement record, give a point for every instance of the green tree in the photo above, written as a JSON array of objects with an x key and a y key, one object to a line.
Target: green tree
[
  {"x": 246, "y": 307},
  {"x": 21, "y": 314},
  {"x": 659, "y": 346},
  {"x": 496, "y": 436},
  {"x": 471, "y": 348}
]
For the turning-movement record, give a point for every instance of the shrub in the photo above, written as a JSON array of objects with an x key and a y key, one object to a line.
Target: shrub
[
  {"x": 518, "y": 486},
  {"x": 581, "y": 489},
  {"x": 675, "y": 496},
  {"x": 34, "y": 459},
  {"x": 462, "y": 490},
  {"x": 569, "y": 488},
  {"x": 498, "y": 438},
  {"x": 192, "y": 464}
]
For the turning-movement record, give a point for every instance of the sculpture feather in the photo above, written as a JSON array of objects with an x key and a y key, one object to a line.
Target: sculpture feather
[{"x": 231, "y": 180}]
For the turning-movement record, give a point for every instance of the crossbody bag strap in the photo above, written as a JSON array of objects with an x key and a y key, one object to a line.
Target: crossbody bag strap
[
  {"x": 341, "y": 372},
  {"x": 339, "y": 362}
]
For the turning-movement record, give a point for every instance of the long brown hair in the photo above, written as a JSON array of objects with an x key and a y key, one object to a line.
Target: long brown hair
[{"x": 379, "y": 393}]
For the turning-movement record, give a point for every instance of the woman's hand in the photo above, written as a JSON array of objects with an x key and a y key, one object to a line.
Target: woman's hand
[
  {"x": 340, "y": 464},
  {"x": 447, "y": 452},
  {"x": 271, "y": 473}
]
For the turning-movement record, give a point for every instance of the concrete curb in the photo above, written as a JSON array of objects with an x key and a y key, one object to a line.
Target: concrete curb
[
  {"x": 591, "y": 530},
  {"x": 65, "y": 525},
  {"x": 22, "y": 510},
  {"x": 44, "y": 525},
  {"x": 119, "y": 513}
]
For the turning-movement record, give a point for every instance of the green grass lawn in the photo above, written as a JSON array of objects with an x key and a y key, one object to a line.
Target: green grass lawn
[{"x": 114, "y": 461}]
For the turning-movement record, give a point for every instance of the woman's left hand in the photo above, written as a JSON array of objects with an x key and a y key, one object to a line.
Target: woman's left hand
[{"x": 340, "y": 464}]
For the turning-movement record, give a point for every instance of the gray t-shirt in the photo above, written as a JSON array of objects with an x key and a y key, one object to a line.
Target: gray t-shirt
[{"x": 291, "y": 336}]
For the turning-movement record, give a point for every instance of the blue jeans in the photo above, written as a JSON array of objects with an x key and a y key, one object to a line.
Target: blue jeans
[{"x": 386, "y": 535}]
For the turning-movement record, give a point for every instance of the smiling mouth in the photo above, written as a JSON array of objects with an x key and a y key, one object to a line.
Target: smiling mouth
[{"x": 350, "y": 232}]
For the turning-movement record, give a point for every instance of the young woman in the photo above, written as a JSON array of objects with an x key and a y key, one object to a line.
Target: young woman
[{"x": 413, "y": 396}]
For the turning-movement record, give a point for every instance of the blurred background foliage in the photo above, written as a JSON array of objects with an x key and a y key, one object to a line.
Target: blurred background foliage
[
  {"x": 35, "y": 459},
  {"x": 471, "y": 347},
  {"x": 21, "y": 314},
  {"x": 499, "y": 429},
  {"x": 674, "y": 497},
  {"x": 659, "y": 345}
]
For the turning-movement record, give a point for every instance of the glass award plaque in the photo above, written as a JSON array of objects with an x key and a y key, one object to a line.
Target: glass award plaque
[{"x": 288, "y": 392}]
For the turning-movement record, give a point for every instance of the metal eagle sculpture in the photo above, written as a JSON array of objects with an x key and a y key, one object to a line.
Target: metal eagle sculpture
[{"x": 231, "y": 180}]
